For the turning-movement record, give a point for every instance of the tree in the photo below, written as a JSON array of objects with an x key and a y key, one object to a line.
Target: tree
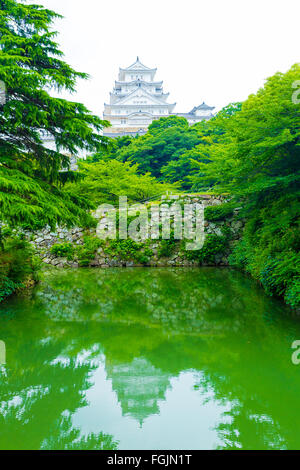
[
  {"x": 166, "y": 140},
  {"x": 259, "y": 146},
  {"x": 105, "y": 181},
  {"x": 185, "y": 169},
  {"x": 31, "y": 66},
  {"x": 256, "y": 159},
  {"x": 112, "y": 148},
  {"x": 163, "y": 123}
]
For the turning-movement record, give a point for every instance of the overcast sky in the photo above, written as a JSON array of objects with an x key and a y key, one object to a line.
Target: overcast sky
[{"x": 217, "y": 51}]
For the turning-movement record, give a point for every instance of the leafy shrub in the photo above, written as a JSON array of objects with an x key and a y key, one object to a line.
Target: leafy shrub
[
  {"x": 87, "y": 252},
  {"x": 35, "y": 224},
  {"x": 6, "y": 232},
  {"x": 92, "y": 243},
  {"x": 270, "y": 246},
  {"x": 17, "y": 265},
  {"x": 219, "y": 212},
  {"x": 63, "y": 250},
  {"x": 105, "y": 181},
  {"x": 292, "y": 293},
  {"x": 166, "y": 248},
  {"x": 240, "y": 255},
  {"x": 129, "y": 250},
  {"x": 280, "y": 276},
  {"x": 214, "y": 245},
  {"x": 125, "y": 249},
  {"x": 7, "y": 287}
]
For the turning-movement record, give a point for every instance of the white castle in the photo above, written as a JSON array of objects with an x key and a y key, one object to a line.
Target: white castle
[{"x": 137, "y": 99}]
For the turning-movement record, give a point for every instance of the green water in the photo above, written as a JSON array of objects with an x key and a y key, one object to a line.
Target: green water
[{"x": 148, "y": 359}]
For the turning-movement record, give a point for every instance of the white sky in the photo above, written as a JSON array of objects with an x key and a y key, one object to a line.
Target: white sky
[{"x": 217, "y": 51}]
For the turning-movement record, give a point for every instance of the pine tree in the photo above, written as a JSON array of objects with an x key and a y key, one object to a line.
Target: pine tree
[{"x": 31, "y": 68}]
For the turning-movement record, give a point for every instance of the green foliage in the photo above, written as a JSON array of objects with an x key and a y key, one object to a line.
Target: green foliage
[
  {"x": 125, "y": 250},
  {"x": 170, "y": 150},
  {"x": 214, "y": 245},
  {"x": 166, "y": 248},
  {"x": 83, "y": 253},
  {"x": 17, "y": 265},
  {"x": 31, "y": 67},
  {"x": 249, "y": 150},
  {"x": 105, "y": 181},
  {"x": 238, "y": 257},
  {"x": 255, "y": 158},
  {"x": 280, "y": 273},
  {"x": 270, "y": 246},
  {"x": 269, "y": 251},
  {"x": 63, "y": 250},
  {"x": 159, "y": 125},
  {"x": 92, "y": 441},
  {"x": 229, "y": 111},
  {"x": 219, "y": 212},
  {"x": 32, "y": 203},
  {"x": 8, "y": 287},
  {"x": 257, "y": 149},
  {"x": 292, "y": 293},
  {"x": 166, "y": 141},
  {"x": 129, "y": 250},
  {"x": 87, "y": 252},
  {"x": 108, "y": 153}
]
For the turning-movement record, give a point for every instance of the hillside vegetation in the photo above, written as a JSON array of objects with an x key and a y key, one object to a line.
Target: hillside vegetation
[{"x": 249, "y": 151}]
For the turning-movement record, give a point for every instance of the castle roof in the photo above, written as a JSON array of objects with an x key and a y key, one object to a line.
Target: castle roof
[
  {"x": 137, "y": 65},
  {"x": 137, "y": 81},
  {"x": 155, "y": 99},
  {"x": 202, "y": 107}
]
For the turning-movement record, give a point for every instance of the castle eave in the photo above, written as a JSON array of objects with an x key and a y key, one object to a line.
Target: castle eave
[{"x": 134, "y": 82}]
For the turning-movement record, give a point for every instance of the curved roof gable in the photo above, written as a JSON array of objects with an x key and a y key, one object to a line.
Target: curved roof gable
[
  {"x": 138, "y": 66},
  {"x": 153, "y": 99},
  {"x": 202, "y": 107}
]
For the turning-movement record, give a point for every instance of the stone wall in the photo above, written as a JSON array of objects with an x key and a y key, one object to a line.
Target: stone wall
[{"x": 44, "y": 240}]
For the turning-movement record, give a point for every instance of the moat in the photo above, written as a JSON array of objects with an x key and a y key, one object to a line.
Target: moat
[{"x": 139, "y": 358}]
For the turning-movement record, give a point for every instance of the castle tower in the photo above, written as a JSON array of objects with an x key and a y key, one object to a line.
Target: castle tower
[
  {"x": 140, "y": 387},
  {"x": 136, "y": 100}
]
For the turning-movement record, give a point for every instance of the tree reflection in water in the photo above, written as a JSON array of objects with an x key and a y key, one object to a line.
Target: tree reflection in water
[{"x": 149, "y": 325}]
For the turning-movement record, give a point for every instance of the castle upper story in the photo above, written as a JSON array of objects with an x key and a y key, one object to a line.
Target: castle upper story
[{"x": 137, "y": 99}]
